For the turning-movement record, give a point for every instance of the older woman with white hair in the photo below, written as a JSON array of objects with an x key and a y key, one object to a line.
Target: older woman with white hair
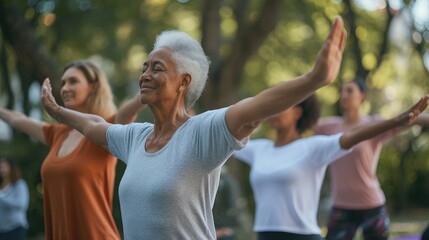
[{"x": 173, "y": 165}]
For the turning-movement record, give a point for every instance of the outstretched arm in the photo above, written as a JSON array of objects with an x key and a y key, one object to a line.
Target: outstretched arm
[
  {"x": 362, "y": 133},
  {"x": 244, "y": 116},
  {"x": 23, "y": 123},
  {"x": 91, "y": 126},
  {"x": 129, "y": 109}
]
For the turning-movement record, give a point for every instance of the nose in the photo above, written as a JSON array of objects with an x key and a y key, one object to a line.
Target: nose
[
  {"x": 65, "y": 87},
  {"x": 144, "y": 77}
]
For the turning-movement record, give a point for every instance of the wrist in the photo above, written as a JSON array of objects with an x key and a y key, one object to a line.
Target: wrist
[{"x": 314, "y": 80}]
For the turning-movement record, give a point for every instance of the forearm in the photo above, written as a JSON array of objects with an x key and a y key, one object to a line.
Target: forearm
[
  {"x": 91, "y": 126},
  {"x": 11, "y": 117},
  {"x": 283, "y": 96},
  {"x": 368, "y": 131},
  {"x": 23, "y": 123},
  {"x": 243, "y": 117}
]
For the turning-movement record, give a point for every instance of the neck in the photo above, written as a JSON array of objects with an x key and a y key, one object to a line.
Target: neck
[
  {"x": 286, "y": 136},
  {"x": 168, "y": 120},
  {"x": 352, "y": 117}
]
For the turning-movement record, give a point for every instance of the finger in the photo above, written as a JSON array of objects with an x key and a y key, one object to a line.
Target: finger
[
  {"x": 337, "y": 31},
  {"x": 424, "y": 107},
  {"x": 422, "y": 104}
]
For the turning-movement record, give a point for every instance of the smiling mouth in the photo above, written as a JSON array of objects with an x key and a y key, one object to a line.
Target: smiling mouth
[{"x": 146, "y": 88}]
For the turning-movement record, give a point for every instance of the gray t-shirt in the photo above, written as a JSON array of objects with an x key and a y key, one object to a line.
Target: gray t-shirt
[{"x": 169, "y": 194}]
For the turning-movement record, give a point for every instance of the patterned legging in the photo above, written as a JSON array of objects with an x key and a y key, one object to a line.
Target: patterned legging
[
  {"x": 287, "y": 236},
  {"x": 343, "y": 223}
]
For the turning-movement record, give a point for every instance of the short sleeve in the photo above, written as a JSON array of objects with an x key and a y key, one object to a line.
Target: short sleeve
[
  {"x": 213, "y": 138},
  {"x": 327, "y": 126},
  {"x": 328, "y": 149},
  {"x": 119, "y": 140}
]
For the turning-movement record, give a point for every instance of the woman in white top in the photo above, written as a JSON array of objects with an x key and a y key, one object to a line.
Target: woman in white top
[
  {"x": 286, "y": 174},
  {"x": 173, "y": 165}
]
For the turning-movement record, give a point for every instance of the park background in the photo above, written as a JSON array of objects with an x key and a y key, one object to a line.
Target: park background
[{"x": 253, "y": 44}]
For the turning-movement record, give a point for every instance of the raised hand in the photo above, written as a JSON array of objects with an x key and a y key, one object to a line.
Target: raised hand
[
  {"x": 329, "y": 58},
  {"x": 409, "y": 117},
  {"x": 48, "y": 100}
]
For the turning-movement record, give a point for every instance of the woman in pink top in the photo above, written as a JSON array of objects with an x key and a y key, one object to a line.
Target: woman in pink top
[{"x": 358, "y": 200}]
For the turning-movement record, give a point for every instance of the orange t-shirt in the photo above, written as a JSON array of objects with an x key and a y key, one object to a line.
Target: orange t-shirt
[{"x": 77, "y": 189}]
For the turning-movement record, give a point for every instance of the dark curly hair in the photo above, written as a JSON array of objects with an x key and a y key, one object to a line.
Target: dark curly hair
[{"x": 310, "y": 113}]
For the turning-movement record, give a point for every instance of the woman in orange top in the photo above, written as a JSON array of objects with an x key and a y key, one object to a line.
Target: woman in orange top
[{"x": 78, "y": 175}]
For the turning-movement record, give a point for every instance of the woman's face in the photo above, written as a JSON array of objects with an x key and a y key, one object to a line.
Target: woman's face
[
  {"x": 159, "y": 81},
  {"x": 75, "y": 89},
  {"x": 285, "y": 119},
  {"x": 351, "y": 97},
  {"x": 4, "y": 169}
]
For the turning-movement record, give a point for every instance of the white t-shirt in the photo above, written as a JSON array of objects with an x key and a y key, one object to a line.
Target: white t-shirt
[
  {"x": 286, "y": 181},
  {"x": 169, "y": 194}
]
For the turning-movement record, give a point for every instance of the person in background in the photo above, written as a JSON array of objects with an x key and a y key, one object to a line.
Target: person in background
[
  {"x": 14, "y": 200},
  {"x": 173, "y": 165},
  {"x": 287, "y": 174},
  {"x": 358, "y": 200},
  {"x": 77, "y": 174}
]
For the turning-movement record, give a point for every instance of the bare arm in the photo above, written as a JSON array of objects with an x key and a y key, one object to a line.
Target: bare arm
[
  {"x": 129, "y": 109},
  {"x": 244, "y": 116},
  {"x": 368, "y": 131},
  {"x": 91, "y": 126},
  {"x": 23, "y": 123}
]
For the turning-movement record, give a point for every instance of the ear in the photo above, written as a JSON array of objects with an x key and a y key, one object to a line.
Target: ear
[{"x": 185, "y": 81}]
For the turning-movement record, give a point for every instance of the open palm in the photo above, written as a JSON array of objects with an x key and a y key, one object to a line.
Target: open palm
[
  {"x": 48, "y": 100},
  {"x": 329, "y": 58}
]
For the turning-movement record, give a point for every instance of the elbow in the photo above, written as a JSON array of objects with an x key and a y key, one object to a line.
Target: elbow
[{"x": 345, "y": 143}]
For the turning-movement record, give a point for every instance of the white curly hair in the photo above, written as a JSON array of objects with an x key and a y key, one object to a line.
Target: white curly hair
[{"x": 189, "y": 57}]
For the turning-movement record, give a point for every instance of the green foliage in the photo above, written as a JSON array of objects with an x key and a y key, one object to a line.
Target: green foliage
[{"x": 404, "y": 177}]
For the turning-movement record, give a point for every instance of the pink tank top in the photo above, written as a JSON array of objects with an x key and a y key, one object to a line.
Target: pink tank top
[{"x": 354, "y": 183}]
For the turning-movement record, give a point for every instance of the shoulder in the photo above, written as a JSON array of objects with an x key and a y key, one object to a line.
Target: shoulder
[
  {"x": 261, "y": 141},
  {"x": 131, "y": 127},
  {"x": 211, "y": 113},
  {"x": 208, "y": 118},
  {"x": 320, "y": 138},
  {"x": 55, "y": 129},
  {"x": 20, "y": 183}
]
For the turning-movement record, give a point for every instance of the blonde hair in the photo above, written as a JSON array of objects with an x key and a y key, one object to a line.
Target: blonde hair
[{"x": 101, "y": 101}]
